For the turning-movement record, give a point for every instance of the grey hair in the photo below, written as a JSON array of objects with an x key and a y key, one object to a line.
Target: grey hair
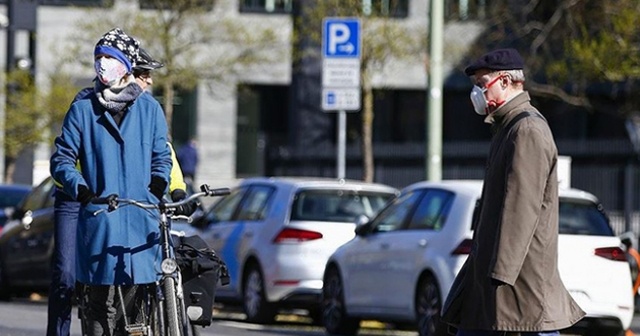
[{"x": 517, "y": 76}]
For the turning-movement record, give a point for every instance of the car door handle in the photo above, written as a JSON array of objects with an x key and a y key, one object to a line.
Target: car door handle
[{"x": 422, "y": 243}]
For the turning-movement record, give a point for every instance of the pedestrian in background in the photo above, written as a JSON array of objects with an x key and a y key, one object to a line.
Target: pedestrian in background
[
  {"x": 188, "y": 158},
  {"x": 511, "y": 284}
]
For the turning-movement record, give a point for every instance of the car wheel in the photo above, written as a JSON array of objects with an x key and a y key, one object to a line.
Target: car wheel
[
  {"x": 254, "y": 301},
  {"x": 334, "y": 315},
  {"x": 428, "y": 304}
]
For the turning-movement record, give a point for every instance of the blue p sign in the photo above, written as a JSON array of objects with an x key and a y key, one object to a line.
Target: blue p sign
[{"x": 341, "y": 37}]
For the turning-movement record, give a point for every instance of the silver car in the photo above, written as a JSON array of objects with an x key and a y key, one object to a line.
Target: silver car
[{"x": 276, "y": 235}]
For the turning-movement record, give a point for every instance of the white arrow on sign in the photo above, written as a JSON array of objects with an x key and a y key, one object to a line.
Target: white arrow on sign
[{"x": 349, "y": 48}]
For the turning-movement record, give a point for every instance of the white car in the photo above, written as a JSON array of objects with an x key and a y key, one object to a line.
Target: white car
[
  {"x": 401, "y": 264},
  {"x": 275, "y": 234}
]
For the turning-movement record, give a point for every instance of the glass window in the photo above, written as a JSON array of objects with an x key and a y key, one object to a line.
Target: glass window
[
  {"x": 224, "y": 209},
  {"x": 336, "y": 205},
  {"x": 432, "y": 212},
  {"x": 581, "y": 217},
  {"x": 394, "y": 216},
  {"x": 84, "y": 3},
  {"x": 170, "y": 4},
  {"x": 464, "y": 10},
  {"x": 37, "y": 198},
  {"x": 266, "y": 6},
  {"x": 386, "y": 8},
  {"x": 255, "y": 206},
  {"x": 12, "y": 196}
]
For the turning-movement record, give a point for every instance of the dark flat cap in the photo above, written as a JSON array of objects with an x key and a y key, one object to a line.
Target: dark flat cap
[{"x": 500, "y": 59}]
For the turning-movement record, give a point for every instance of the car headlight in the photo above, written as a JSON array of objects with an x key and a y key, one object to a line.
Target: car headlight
[{"x": 168, "y": 266}]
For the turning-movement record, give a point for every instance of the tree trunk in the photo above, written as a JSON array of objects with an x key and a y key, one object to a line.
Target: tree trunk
[
  {"x": 10, "y": 168},
  {"x": 168, "y": 94},
  {"x": 367, "y": 131}
]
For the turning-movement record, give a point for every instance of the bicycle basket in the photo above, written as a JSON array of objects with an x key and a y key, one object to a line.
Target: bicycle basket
[{"x": 201, "y": 269}]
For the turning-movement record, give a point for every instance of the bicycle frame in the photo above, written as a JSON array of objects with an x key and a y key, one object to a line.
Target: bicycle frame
[{"x": 167, "y": 303}]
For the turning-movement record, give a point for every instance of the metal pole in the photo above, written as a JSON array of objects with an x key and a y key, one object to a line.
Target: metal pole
[
  {"x": 342, "y": 143},
  {"x": 434, "y": 117}
]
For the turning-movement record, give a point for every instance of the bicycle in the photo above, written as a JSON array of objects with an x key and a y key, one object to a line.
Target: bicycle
[{"x": 163, "y": 312}]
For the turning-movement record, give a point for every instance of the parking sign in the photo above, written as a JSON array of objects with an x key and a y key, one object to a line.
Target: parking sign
[
  {"x": 341, "y": 38},
  {"x": 341, "y": 64}
]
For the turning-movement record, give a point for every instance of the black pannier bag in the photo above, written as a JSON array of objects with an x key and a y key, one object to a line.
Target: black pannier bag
[{"x": 201, "y": 268}]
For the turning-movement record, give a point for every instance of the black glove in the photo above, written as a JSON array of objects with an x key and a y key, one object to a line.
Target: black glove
[
  {"x": 178, "y": 195},
  {"x": 85, "y": 195},
  {"x": 157, "y": 186},
  {"x": 185, "y": 209}
]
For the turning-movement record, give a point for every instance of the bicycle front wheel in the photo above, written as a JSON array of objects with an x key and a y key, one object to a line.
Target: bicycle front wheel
[{"x": 173, "y": 323}]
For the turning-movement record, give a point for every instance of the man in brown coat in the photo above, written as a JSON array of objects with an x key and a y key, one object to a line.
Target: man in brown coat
[{"x": 512, "y": 283}]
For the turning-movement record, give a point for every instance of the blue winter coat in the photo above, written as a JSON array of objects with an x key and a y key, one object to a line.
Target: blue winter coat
[{"x": 120, "y": 247}]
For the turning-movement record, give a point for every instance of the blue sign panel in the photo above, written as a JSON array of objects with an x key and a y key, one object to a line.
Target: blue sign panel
[{"x": 341, "y": 38}]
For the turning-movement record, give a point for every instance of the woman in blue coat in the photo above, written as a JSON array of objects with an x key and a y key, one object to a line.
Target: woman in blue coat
[{"x": 119, "y": 138}]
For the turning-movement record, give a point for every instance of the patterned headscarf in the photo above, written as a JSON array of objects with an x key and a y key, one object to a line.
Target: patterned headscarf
[{"x": 117, "y": 44}]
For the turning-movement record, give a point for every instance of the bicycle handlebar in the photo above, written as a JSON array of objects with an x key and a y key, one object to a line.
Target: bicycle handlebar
[{"x": 113, "y": 201}]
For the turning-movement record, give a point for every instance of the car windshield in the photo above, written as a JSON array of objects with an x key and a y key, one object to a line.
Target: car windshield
[
  {"x": 10, "y": 198},
  {"x": 582, "y": 217},
  {"x": 577, "y": 217},
  {"x": 336, "y": 205}
]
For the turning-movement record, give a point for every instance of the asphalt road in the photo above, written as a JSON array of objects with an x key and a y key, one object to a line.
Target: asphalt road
[{"x": 25, "y": 317}]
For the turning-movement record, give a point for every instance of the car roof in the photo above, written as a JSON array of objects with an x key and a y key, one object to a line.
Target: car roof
[
  {"x": 16, "y": 187},
  {"x": 320, "y": 182},
  {"x": 474, "y": 188}
]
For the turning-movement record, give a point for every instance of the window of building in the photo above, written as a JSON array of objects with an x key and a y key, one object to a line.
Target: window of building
[
  {"x": 387, "y": 8},
  {"x": 464, "y": 10},
  {"x": 82, "y": 3},
  {"x": 266, "y": 6},
  {"x": 206, "y": 5}
]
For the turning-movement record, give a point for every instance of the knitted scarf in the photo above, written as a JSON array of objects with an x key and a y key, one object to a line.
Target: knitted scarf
[{"x": 117, "y": 97}]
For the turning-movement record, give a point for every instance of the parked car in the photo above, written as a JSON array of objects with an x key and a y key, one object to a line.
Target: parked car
[
  {"x": 26, "y": 243},
  {"x": 276, "y": 234},
  {"x": 401, "y": 264},
  {"x": 10, "y": 196}
]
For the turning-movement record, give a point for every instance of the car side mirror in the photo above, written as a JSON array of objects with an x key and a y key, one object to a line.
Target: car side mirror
[{"x": 362, "y": 220}]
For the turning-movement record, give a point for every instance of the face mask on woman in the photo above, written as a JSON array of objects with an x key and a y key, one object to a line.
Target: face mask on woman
[{"x": 109, "y": 70}]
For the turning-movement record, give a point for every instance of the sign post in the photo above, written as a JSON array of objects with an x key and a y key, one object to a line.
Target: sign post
[{"x": 341, "y": 45}]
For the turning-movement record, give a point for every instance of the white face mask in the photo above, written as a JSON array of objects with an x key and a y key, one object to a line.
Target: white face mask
[
  {"x": 480, "y": 104},
  {"x": 109, "y": 70}
]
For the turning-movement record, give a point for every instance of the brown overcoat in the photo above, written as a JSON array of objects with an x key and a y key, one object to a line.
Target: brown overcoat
[{"x": 512, "y": 282}]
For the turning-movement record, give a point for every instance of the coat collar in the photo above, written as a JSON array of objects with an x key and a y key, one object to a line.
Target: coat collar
[{"x": 510, "y": 109}]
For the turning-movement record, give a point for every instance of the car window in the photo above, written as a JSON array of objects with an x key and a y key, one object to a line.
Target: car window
[
  {"x": 582, "y": 217},
  {"x": 393, "y": 217},
  {"x": 254, "y": 207},
  {"x": 432, "y": 211},
  {"x": 224, "y": 209},
  {"x": 38, "y": 196},
  {"x": 336, "y": 205},
  {"x": 10, "y": 198}
]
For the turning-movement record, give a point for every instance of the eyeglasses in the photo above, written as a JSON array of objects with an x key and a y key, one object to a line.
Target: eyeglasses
[{"x": 486, "y": 87}]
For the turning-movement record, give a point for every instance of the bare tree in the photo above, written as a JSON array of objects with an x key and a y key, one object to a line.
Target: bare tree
[
  {"x": 384, "y": 40},
  {"x": 572, "y": 45},
  {"x": 193, "y": 39},
  {"x": 32, "y": 112}
]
